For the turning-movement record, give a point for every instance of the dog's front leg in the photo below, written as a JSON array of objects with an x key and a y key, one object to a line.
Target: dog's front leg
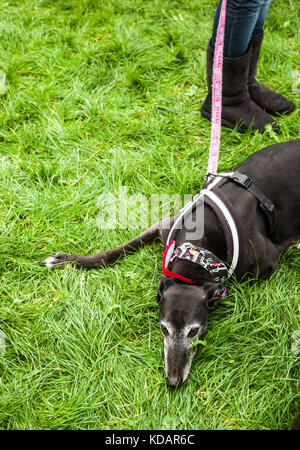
[{"x": 108, "y": 257}]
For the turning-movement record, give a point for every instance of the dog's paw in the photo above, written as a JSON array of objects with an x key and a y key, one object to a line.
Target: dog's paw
[{"x": 58, "y": 258}]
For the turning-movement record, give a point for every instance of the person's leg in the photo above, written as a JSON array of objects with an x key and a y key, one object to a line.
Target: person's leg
[
  {"x": 243, "y": 19},
  {"x": 270, "y": 101},
  {"x": 259, "y": 26},
  {"x": 237, "y": 106}
]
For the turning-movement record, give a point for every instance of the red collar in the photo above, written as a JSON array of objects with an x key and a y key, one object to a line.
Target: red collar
[{"x": 169, "y": 273}]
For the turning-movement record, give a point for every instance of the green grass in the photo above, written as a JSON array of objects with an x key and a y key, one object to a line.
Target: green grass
[{"x": 107, "y": 94}]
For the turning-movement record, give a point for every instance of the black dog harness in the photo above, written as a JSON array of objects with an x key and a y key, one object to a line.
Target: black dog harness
[
  {"x": 264, "y": 202},
  {"x": 212, "y": 195}
]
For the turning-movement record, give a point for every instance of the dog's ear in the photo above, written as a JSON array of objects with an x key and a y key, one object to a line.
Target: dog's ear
[
  {"x": 163, "y": 284},
  {"x": 213, "y": 295}
]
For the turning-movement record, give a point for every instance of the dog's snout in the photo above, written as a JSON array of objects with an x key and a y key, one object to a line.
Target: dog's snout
[
  {"x": 174, "y": 381},
  {"x": 176, "y": 363}
]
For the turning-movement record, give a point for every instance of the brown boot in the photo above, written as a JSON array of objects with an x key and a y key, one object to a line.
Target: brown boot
[
  {"x": 237, "y": 106},
  {"x": 270, "y": 101}
]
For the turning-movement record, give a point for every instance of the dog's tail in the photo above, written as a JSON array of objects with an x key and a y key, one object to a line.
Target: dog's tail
[{"x": 106, "y": 258}]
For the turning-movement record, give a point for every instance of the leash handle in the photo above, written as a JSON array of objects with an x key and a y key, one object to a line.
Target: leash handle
[{"x": 217, "y": 94}]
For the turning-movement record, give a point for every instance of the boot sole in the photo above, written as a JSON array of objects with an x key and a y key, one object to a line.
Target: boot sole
[
  {"x": 239, "y": 127},
  {"x": 278, "y": 114}
]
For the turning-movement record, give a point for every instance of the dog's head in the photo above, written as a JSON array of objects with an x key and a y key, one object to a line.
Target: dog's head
[{"x": 183, "y": 316}]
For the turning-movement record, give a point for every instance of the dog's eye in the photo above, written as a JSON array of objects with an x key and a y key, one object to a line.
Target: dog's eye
[
  {"x": 164, "y": 330},
  {"x": 193, "y": 333}
]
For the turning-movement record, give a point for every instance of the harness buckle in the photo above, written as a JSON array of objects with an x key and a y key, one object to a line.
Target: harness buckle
[
  {"x": 242, "y": 179},
  {"x": 269, "y": 206}
]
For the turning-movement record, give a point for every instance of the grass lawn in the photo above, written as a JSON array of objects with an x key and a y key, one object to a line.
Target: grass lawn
[{"x": 103, "y": 94}]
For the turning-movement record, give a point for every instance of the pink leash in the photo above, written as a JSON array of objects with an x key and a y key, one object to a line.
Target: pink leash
[
  {"x": 215, "y": 128},
  {"x": 217, "y": 94}
]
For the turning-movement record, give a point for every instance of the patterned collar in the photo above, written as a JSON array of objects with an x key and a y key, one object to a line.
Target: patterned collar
[{"x": 197, "y": 255}]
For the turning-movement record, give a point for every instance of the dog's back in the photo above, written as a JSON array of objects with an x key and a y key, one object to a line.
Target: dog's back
[{"x": 275, "y": 170}]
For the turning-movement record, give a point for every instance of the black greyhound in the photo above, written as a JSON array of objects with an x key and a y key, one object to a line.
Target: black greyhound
[{"x": 184, "y": 307}]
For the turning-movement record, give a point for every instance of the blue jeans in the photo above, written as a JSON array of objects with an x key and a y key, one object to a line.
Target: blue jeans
[{"x": 244, "y": 18}]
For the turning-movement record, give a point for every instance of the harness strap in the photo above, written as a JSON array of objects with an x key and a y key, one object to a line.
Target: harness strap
[
  {"x": 264, "y": 202},
  {"x": 224, "y": 225},
  {"x": 189, "y": 208},
  {"x": 223, "y": 208}
]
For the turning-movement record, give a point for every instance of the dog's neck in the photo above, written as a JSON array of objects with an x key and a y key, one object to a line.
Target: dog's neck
[{"x": 213, "y": 239}]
